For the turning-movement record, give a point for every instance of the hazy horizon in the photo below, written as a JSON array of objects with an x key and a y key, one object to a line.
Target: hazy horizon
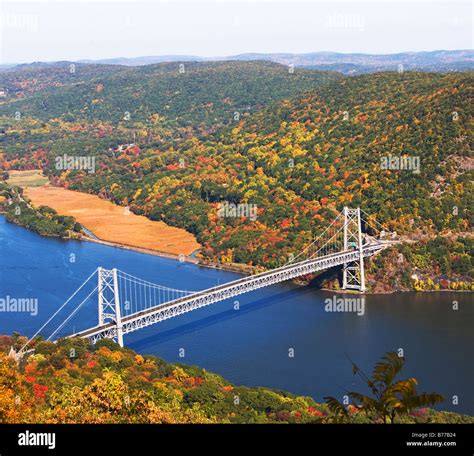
[
  {"x": 224, "y": 57},
  {"x": 88, "y": 30}
]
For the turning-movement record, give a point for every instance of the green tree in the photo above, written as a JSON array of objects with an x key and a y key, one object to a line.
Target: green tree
[{"x": 390, "y": 397}]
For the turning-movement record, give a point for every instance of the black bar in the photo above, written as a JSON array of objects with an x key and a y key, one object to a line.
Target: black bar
[{"x": 202, "y": 439}]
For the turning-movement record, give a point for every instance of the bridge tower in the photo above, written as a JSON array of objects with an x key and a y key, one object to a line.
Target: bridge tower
[
  {"x": 353, "y": 273},
  {"x": 109, "y": 300}
]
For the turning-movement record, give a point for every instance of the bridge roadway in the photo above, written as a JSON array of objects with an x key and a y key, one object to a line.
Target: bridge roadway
[{"x": 227, "y": 290}]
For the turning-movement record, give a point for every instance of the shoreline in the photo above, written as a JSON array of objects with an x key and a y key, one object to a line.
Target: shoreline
[
  {"x": 171, "y": 256},
  {"x": 238, "y": 269},
  {"x": 355, "y": 292},
  {"x": 111, "y": 222}
]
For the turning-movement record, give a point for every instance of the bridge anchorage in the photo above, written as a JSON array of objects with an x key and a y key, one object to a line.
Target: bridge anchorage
[{"x": 127, "y": 303}]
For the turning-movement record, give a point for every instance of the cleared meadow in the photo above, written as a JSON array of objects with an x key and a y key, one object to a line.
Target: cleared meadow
[{"x": 113, "y": 223}]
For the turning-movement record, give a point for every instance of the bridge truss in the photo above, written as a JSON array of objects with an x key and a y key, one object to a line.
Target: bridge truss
[{"x": 127, "y": 303}]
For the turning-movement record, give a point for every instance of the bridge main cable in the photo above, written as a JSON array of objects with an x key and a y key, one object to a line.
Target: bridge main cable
[
  {"x": 56, "y": 313},
  {"x": 218, "y": 293},
  {"x": 315, "y": 240}
]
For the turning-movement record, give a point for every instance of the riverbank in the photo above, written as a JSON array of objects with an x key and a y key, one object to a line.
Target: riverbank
[
  {"x": 159, "y": 392},
  {"x": 230, "y": 267},
  {"x": 41, "y": 219},
  {"x": 248, "y": 344},
  {"x": 113, "y": 223},
  {"x": 241, "y": 269},
  {"x": 109, "y": 224}
]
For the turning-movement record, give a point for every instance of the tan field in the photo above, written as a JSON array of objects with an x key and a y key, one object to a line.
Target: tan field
[
  {"x": 110, "y": 222},
  {"x": 30, "y": 178}
]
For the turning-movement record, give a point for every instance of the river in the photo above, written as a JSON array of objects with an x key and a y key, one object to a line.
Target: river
[{"x": 251, "y": 345}]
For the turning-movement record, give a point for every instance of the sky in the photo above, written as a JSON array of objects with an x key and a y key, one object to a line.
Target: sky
[{"x": 87, "y": 29}]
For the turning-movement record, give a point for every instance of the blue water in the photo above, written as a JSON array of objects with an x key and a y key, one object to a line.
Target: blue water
[
  {"x": 90, "y": 233},
  {"x": 250, "y": 346}
]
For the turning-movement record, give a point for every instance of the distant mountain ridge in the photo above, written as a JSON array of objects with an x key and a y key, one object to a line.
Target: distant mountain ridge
[
  {"x": 203, "y": 97},
  {"x": 351, "y": 63}
]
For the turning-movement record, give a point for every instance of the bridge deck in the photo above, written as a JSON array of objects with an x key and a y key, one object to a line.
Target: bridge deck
[{"x": 233, "y": 288}]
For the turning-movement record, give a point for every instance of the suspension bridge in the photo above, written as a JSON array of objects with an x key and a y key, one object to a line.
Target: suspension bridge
[{"x": 126, "y": 303}]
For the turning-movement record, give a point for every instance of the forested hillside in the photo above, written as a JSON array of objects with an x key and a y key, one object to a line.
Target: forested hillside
[
  {"x": 73, "y": 382},
  {"x": 199, "y": 96},
  {"x": 297, "y": 160}
]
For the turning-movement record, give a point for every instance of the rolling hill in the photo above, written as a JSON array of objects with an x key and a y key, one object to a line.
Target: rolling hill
[
  {"x": 200, "y": 95},
  {"x": 307, "y": 144},
  {"x": 346, "y": 63}
]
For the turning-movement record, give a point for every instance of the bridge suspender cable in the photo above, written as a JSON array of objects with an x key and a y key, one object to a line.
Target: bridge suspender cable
[
  {"x": 55, "y": 313},
  {"x": 329, "y": 240},
  {"x": 315, "y": 240},
  {"x": 376, "y": 221},
  {"x": 72, "y": 314},
  {"x": 127, "y": 303},
  {"x": 126, "y": 276}
]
